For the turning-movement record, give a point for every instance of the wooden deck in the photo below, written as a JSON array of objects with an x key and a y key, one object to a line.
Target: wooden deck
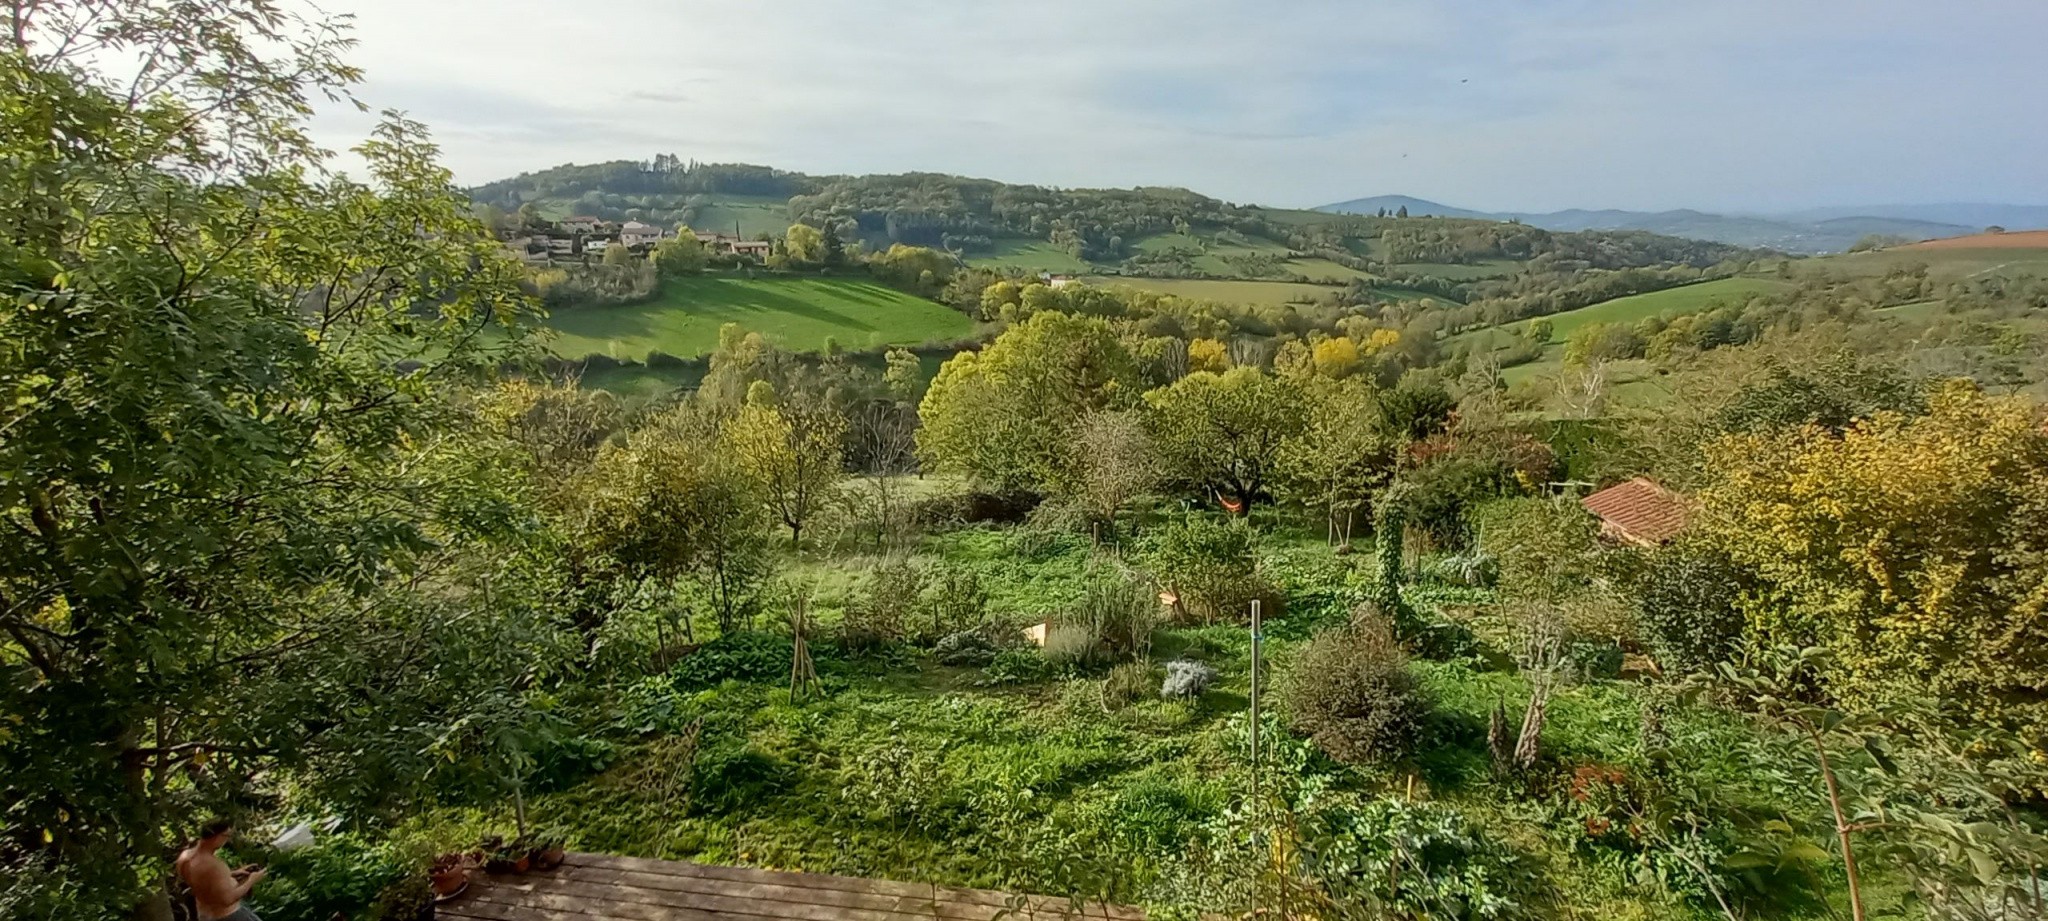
[{"x": 597, "y": 887}]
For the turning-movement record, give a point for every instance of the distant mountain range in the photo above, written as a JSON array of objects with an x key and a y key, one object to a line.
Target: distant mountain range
[{"x": 1816, "y": 230}]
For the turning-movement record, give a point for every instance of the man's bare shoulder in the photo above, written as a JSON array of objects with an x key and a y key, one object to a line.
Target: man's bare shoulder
[{"x": 193, "y": 862}]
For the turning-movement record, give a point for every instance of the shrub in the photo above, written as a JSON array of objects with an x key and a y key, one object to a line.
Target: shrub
[
  {"x": 1016, "y": 666},
  {"x": 1596, "y": 660},
  {"x": 733, "y": 657},
  {"x": 954, "y": 599},
  {"x": 967, "y": 647},
  {"x": 1210, "y": 565},
  {"x": 1351, "y": 694},
  {"x": 1070, "y": 646},
  {"x": 886, "y": 597},
  {"x": 338, "y": 875},
  {"x": 1476, "y": 568},
  {"x": 1686, "y": 595},
  {"x": 1118, "y": 610},
  {"x": 1186, "y": 679},
  {"x": 1126, "y": 684},
  {"x": 734, "y": 777}
]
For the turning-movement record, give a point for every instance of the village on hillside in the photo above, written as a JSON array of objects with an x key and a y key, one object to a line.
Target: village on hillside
[{"x": 582, "y": 238}]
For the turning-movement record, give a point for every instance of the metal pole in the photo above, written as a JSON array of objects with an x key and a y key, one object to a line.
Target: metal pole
[
  {"x": 1258, "y": 806},
  {"x": 1255, "y": 697}
]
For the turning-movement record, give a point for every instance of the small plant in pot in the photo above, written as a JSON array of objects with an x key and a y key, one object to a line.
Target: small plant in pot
[
  {"x": 500, "y": 857},
  {"x": 449, "y": 875},
  {"x": 548, "y": 851}
]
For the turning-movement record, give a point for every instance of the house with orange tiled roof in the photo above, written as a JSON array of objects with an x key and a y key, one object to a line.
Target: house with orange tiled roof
[{"x": 1638, "y": 512}]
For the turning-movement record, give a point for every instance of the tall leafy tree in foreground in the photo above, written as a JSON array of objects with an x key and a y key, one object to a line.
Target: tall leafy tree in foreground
[
  {"x": 1007, "y": 415},
  {"x": 791, "y": 447},
  {"x": 1912, "y": 548},
  {"x": 1223, "y": 432},
  {"x": 226, "y": 454}
]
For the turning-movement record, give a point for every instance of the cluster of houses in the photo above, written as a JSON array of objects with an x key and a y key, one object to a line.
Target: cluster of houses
[{"x": 587, "y": 237}]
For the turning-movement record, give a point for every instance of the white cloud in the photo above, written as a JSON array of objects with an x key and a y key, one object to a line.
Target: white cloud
[{"x": 1744, "y": 103}]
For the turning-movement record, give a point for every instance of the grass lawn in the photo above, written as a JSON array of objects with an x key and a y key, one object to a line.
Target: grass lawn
[
  {"x": 755, "y": 214},
  {"x": 1032, "y": 256},
  {"x": 1231, "y": 292},
  {"x": 796, "y": 313}
]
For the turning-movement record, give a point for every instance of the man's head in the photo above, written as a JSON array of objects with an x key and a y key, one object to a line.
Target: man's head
[{"x": 216, "y": 831}]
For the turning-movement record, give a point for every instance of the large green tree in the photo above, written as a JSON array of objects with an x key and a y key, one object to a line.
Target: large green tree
[
  {"x": 1223, "y": 433},
  {"x": 1342, "y": 452},
  {"x": 226, "y": 460},
  {"x": 1008, "y": 415}
]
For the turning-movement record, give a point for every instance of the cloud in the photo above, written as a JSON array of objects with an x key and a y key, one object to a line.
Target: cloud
[{"x": 1558, "y": 103}]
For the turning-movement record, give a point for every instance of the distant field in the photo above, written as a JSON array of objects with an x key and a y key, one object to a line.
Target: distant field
[
  {"x": 1229, "y": 292},
  {"x": 755, "y": 214},
  {"x": 2021, "y": 239},
  {"x": 1670, "y": 301},
  {"x": 642, "y": 383},
  {"x": 1324, "y": 270},
  {"x": 796, "y": 313},
  {"x": 1486, "y": 268},
  {"x": 1944, "y": 263},
  {"x": 1032, "y": 256}
]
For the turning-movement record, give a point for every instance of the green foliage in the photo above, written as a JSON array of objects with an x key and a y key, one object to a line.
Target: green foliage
[
  {"x": 747, "y": 656},
  {"x": 954, "y": 600},
  {"x": 1832, "y": 394},
  {"x": 1349, "y": 692},
  {"x": 1418, "y": 408},
  {"x": 1127, "y": 684},
  {"x": 1006, "y": 415},
  {"x": 1222, "y": 434},
  {"x": 227, "y": 439},
  {"x": 341, "y": 874},
  {"x": 1025, "y": 665},
  {"x": 882, "y": 606},
  {"x": 1208, "y": 565},
  {"x": 1687, "y": 600},
  {"x": 1116, "y": 610}
]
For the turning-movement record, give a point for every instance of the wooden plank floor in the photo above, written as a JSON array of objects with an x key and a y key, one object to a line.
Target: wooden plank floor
[{"x": 597, "y": 887}]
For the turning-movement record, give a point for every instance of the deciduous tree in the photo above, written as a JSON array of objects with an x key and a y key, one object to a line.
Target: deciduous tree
[{"x": 1223, "y": 433}]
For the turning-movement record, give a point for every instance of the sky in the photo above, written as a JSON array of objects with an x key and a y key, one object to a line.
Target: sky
[{"x": 1525, "y": 105}]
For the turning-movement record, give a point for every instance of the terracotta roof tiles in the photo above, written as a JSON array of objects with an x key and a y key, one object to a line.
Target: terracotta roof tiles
[{"x": 1638, "y": 511}]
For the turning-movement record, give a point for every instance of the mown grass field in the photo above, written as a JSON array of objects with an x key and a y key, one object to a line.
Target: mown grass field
[
  {"x": 1032, "y": 256},
  {"x": 754, "y": 215},
  {"x": 1232, "y": 292},
  {"x": 799, "y": 314},
  {"x": 1943, "y": 264},
  {"x": 1668, "y": 302},
  {"x": 641, "y": 384}
]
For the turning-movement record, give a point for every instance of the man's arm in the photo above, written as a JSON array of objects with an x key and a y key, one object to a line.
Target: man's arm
[{"x": 212, "y": 884}]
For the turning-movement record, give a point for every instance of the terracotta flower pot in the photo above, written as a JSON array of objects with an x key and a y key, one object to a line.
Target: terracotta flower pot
[{"x": 549, "y": 857}]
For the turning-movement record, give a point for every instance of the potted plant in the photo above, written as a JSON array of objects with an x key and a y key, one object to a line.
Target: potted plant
[
  {"x": 500, "y": 857},
  {"x": 548, "y": 851},
  {"x": 449, "y": 875}
]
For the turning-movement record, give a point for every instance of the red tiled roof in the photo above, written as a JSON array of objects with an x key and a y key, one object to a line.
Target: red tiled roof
[{"x": 1638, "y": 511}]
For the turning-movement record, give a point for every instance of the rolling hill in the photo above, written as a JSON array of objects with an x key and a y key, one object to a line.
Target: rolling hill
[{"x": 1820, "y": 232}]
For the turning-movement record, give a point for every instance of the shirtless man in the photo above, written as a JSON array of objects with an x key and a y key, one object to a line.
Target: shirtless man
[{"x": 216, "y": 890}]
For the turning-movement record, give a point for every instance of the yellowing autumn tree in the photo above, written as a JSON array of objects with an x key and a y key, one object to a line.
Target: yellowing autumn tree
[
  {"x": 1336, "y": 358},
  {"x": 1914, "y": 548},
  {"x": 1209, "y": 355},
  {"x": 791, "y": 448}
]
